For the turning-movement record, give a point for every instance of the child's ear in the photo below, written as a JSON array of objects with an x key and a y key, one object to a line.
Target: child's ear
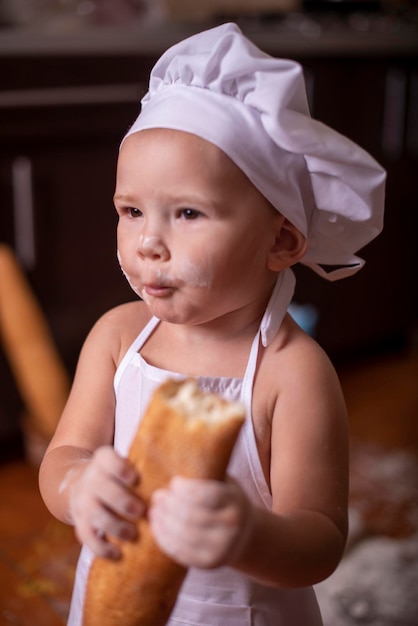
[{"x": 289, "y": 245}]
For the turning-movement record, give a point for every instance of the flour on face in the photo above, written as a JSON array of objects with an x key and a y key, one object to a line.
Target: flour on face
[
  {"x": 152, "y": 245},
  {"x": 187, "y": 272},
  {"x": 134, "y": 289},
  {"x": 195, "y": 275}
]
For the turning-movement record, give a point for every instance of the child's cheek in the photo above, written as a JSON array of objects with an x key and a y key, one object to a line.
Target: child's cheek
[
  {"x": 134, "y": 289},
  {"x": 195, "y": 273}
]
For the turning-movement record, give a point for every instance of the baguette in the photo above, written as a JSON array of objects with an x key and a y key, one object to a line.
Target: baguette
[{"x": 183, "y": 432}]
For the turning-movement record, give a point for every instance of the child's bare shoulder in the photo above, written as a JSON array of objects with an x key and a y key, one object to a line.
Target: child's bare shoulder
[
  {"x": 295, "y": 362},
  {"x": 135, "y": 312},
  {"x": 118, "y": 327}
]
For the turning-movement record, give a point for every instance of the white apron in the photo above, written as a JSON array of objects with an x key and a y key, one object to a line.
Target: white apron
[{"x": 223, "y": 596}]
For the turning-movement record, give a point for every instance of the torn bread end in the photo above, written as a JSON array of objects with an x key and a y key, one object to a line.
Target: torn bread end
[{"x": 187, "y": 398}]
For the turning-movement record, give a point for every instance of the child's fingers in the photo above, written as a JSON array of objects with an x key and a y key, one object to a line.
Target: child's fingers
[
  {"x": 110, "y": 478},
  {"x": 200, "y": 523},
  {"x": 189, "y": 536},
  {"x": 209, "y": 493},
  {"x": 102, "y": 503},
  {"x": 97, "y": 542},
  {"x": 111, "y": 463},
  {"x": 106, "y": 524},
  {"x": 121, "y": 501},
  {"x": 202, "y": 506},
  {"x": 97, "y": 529}
]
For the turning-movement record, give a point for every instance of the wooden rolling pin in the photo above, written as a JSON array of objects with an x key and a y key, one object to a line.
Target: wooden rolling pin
[{"x": 37, "y": 367}]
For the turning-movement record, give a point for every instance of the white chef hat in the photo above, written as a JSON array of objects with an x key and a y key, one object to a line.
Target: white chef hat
[{"x": 219, "y": 86}]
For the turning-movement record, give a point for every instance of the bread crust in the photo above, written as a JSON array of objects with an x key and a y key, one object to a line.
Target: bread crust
[{"x": 141, "y": 588}]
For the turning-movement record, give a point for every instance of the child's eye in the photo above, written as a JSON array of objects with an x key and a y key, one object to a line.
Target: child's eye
[
  {"x": 134, "y": 212},
  {"x": 189, "y": 214}
]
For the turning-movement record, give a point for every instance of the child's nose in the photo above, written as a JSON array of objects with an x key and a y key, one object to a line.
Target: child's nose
[{"x": 152, "y": 247}]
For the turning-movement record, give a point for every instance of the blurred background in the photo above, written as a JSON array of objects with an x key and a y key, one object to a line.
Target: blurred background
[{"x": 72, "y": 73}]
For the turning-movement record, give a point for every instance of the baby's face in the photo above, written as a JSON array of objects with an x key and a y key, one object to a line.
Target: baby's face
[{"x": 194, "y": 234}]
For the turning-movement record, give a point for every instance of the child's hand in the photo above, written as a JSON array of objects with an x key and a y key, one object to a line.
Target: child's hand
[
  {"x": 201, "y": 523},
  {"x": 101, "y": 502}
]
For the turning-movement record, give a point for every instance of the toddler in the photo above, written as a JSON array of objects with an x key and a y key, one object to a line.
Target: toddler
[{"x": 223, "y": 183}]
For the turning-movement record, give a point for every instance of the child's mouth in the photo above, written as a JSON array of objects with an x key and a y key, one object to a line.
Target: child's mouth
[{"x": 158, "y": 291}]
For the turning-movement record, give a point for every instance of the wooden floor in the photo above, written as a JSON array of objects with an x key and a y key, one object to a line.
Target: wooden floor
[{"x": 38, "y": 554}]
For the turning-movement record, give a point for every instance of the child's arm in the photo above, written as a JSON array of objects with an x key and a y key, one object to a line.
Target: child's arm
[
  {"x": 82, "y": 479},
  {"x": 302, "y": 540},
  {"x": 309, "y": 476}
]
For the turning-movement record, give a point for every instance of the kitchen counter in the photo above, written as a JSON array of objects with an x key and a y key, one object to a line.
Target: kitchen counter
[{"x": 297, "y": 34}]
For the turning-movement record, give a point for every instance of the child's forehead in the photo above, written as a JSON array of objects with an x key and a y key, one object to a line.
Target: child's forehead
[
  {"x": 181, "y": 139},
  {"x": 186, "y": 159},
  {"x": 182, "y": 148}
]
